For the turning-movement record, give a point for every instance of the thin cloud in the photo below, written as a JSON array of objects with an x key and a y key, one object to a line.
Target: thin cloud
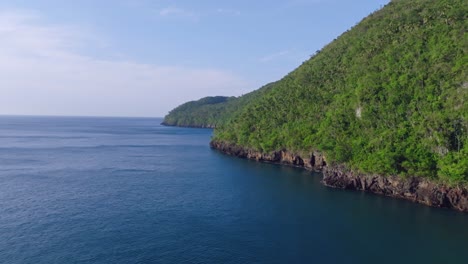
[
  {"x": 274, "y": 56},
  {"x": 177, "y": 12},
  {"x": 42, "y": 73},
  {"x": 227, "y": 11}
]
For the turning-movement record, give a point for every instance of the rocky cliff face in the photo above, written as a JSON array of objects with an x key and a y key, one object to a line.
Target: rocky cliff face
[
  {"x": 314, "y": 161},
  {"x": 415, "y": 189}
]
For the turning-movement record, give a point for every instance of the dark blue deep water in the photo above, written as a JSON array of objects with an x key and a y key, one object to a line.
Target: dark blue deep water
[{"x": 127, "y": 190}]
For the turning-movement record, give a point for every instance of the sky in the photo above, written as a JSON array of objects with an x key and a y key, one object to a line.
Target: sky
[{"x": 145, "y": 57}]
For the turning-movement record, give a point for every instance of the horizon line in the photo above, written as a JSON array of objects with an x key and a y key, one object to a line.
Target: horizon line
[{"x": 79, "y": 116}]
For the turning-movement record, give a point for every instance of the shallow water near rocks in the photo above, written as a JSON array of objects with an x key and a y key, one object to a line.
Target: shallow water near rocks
[{"x": 127, "y": 190}]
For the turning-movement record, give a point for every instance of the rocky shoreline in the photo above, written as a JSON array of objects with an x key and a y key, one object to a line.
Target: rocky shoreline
[
  {"x": 415, "y": 189},
  {"x": 190, "y": 126}
]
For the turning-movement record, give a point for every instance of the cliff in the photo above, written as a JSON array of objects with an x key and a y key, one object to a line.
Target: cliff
[{"x": 416, "y": 189}]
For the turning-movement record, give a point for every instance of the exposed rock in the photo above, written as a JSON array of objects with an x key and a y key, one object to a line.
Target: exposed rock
[
  {"x": 314, "y": 161},
  {"x": 416, "y": 189}
]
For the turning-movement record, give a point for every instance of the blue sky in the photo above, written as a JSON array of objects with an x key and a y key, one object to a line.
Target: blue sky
[{"x": 143, "y": 57}]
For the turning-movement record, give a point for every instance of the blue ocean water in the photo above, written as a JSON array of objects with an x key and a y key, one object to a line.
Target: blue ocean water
[{"x": 127, "y": 190}]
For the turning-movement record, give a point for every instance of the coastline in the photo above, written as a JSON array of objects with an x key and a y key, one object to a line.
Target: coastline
[
  {"x": 189, "y": 126},
  {"x": 416, "y": 189}
]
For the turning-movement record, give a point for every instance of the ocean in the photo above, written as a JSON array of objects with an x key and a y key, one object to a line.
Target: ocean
[{"x": 128, "y": 190}]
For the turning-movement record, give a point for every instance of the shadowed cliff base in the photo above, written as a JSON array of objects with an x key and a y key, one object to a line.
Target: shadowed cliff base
[{"x": 416, "y": 189}]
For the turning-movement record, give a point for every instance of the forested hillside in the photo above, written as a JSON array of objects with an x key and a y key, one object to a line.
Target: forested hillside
[
  {"x": 210, "y": 112},
  {"x": 387, "y": 97},
  {"x": 202, "y": 113}
]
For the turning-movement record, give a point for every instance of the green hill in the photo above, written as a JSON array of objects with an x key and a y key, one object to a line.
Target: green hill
[
  {"x": 387, "y": 97},
  {"x": 202, "y": 113},
  {"x": 210, "y": 112}
]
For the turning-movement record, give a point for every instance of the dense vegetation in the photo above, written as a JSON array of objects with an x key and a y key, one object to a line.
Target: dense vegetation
[
  {"x": 210, "y": 111},
  {"x": 387, "y": 97},
  {"x": 202, "y": 113}
]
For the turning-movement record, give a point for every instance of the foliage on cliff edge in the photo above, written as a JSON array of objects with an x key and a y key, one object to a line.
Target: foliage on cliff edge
[{"x": 388, "y": 96}]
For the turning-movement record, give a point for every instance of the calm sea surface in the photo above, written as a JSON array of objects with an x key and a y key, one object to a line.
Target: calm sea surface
[{"x": 127, "y": 190}]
